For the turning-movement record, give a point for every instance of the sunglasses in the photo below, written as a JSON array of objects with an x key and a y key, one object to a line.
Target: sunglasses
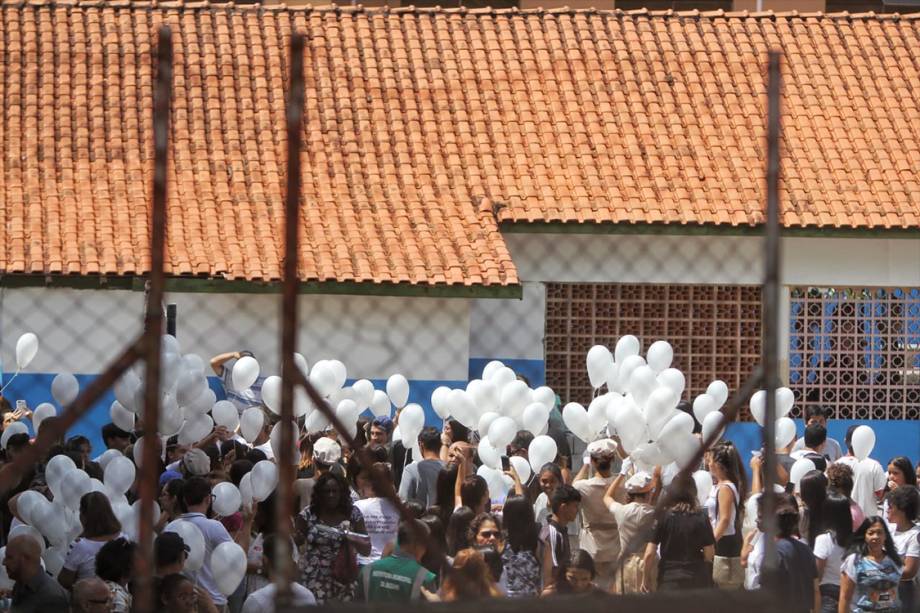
[{"x": 487, "y": 534}]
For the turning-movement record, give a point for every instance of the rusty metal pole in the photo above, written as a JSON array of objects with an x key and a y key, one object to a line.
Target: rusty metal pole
[
  {"x": 154, "y": 319},
  {"x": 771, "y": 307},
  {"x": 284, "y": 568}
]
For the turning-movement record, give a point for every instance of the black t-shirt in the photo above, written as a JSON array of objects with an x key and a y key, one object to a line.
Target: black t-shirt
[
  {"x": 682, "y": 537},
  {"x": 795, "y": 574}
]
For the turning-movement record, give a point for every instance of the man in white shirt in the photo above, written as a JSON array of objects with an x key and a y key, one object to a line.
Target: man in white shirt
[
  {"x": 196, "y": 493},
  {"x": 818, "y": 415},
  {"x": 869, "y": 478},
  {"x": 263, "y": 600}
]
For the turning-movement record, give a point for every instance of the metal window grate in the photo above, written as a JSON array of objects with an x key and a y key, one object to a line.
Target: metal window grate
[
  {"x": 715, "y": 330},
  {"x": 856, "y": 351}
]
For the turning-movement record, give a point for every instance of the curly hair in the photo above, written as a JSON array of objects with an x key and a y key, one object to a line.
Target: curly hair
[
  {"x": 319, "y": 494},
  {"x": 840, "y": 478},
  {"x": 477, "y": 523}
]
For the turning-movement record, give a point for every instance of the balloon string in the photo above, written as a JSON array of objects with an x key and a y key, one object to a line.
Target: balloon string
[{"x": 3, "y": 389}]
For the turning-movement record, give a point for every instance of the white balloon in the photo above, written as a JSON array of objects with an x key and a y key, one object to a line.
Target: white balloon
[
  {"x": 107, "y": 456},
  {"x": 271, "y": 393},
  {"x": 340, "y": 372},
  {"x": 535, "y": 417},
  {"x": 642, "y": 383},
  {"x": 485, "y": 421},
  {"x": 30, "y": 532},
  {"x": 316, "y": 421},
  {"x": 121, "y": 417},
  {"x": 626, "y": 368},
  {"x": 226, "y": 415},
  {"x": 125, "y": 389},
  {"x": 195, "y": 429},
  {"x": 502, "y": 431},
  {"x": 863, "y": 442},
  {"x": 660, "y": 355},
  {"x": 245, "y": 373},
  {"x": 627, "y": 346},
  {"x": 542, "y": 450},
  {"x": 193, "y": 539},
  {"x": 598, "y": 362},
  {"x": 703, "y": 405},
  {"x": 17, "y": 427},
  {"x": 380, "y": 405},
  {"x": 785, "y": 400},
  {"x": 228, "y": 565},
  {"x": 485, "y": 394},
  {"x": 27, "y": 502},
  {"x": 494, "y": 481},
  {"x": 673, "y": 379},
  {"x": 630, "y": 425},
  {"x": 170, "y": 418},
  {"x": 597, "y": 413},
  {"x": 680, "y": 423},
  {"x": 47, "y": 518},
  {"x": 503, "y": 377},
  {"x": 64, "y": 388},
  {"x": 714, "y": 424},
  {"x": 463, "y": 408},
  {"x": 119, "y": 474},
  {"x": 660, "y": 409},
  {"x": 612, "y": 378},
  {"x": 799, "y": 470},
  {"x": 440, "y": 401},
  {"x": 274, "y": 440},
  {"x": 683, "y": 448},
  {"x": 74, "y": 486},
  {"x": 227, "y": 499},
  {"x": 57, "y": 467},
  {"x": 758, "y": 406},
  {"x": 246, "y": 490},
  {"x": 53, "y": 559},
  {"x": 576, "y": 420},
  {"x": 615, "y": 400},
  {"x": 251, "y": 422},
  {"x": 41, "y": 413},
  {"x": 521, "y": 467},
  {"x": 514, "y": 397},
  {"x": 545, "y": 396},
  {"x": 99, "y": 486},
  {"x": 411, "y": 421},
  {"x": 26, "y": 348},
  {"x": 398, "y": 390},
  {"x": 190, "y": 385},
  {"x": 703, "y": 480},
  {"x": 6, "y": 584},
  {"x": 193, "y": 361},
  {"x": 347, "y": 412},
  {"x": 718, "y": 390},
  {"x": 264, "y": 479},
  {"x": 785, "y": 432},
  {"x": 323, "y": 377},
  {"x": 650, "y": 455},
  {"x": 489, "y": 454},
  {"x": 491, "y": 368},
  {"x": 364, "y": 393}
]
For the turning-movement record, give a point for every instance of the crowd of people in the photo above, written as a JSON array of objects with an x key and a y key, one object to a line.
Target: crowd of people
[{"x": 589, "y": 521}]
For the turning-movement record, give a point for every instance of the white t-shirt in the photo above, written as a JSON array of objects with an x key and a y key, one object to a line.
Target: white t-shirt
[
  {"x": 831, "y": 450},
  {"x": 712, "y": 506},
  {"x": 263, "y": 600},
  {"x": 827, "y": 549},
  {"x": 868, "y": 478},
  {"x": 81, "y": 557},
  {"x": 908, "y": 546},
  {"x": 754, "y": 562},
  {"x": 381, "y": 518}
]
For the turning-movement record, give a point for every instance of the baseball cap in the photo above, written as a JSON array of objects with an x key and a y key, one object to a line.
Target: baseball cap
[
  {"x": 384, "y": 423},
  {"x": 168, "y": 476},
  {"x": 639, "y": 483},
  {"x": 196, "y": 462},
  {"x": 326, "y": 451}
]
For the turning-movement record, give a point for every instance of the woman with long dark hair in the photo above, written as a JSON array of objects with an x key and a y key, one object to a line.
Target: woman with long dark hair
[
  {"x": 114, "y": 565},
  {"x": 522, "y": 576},
  {"x": 871, "y": 572},
  {"x": 468, "y": 578},
  {"x": 813, "y": 493},
  {"x": 329, "y": 532},
  {"x": 830, "y": 548},
  {"x": 903, "y": 509},
  {"x": 458, "y": 530},
  {"x": 549, "y": 478},
  {"x": 900, "y": 472},
  {"x": 684, "y": 536},
  {"x": 725, "y": 514},
  {"x": 99, "y": 527}
]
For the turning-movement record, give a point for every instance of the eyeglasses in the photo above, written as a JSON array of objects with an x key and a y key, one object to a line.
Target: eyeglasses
[{"x": 487, "y": 534}]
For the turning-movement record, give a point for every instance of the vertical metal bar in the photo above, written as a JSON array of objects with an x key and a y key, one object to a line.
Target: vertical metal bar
[
  {"x": 171, "y": 319},
  {"x": 771, "y": 306},
  {"x": 154, "y": 318},
  {"x": 284, "y": 567}
]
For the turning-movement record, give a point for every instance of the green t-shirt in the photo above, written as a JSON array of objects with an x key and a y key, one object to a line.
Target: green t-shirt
[{"x": 396, "y": 578}]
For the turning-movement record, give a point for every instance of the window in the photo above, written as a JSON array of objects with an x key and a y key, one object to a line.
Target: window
[
  {"x": 856, "y": 350},
  {"x": 715, "y": 330}
]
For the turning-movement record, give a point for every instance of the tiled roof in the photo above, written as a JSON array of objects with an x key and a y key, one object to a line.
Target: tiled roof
[{"x": 425, "y": 128}]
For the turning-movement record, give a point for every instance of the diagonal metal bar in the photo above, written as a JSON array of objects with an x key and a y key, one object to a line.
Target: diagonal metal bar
[
  {"x": 53, "y": 430},
  {"x": 771, "y": 305},
  {"x": 154, "y": 321},
  {"x": 284, "y": 561}
]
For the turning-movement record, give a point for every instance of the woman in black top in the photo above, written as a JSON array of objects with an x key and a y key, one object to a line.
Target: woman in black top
[{"x": 687, "y": 545}]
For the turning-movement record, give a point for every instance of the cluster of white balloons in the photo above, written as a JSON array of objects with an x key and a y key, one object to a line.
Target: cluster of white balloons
[
  {"x": 785, "y": 427},
  {"x": 227, "y": 561}
]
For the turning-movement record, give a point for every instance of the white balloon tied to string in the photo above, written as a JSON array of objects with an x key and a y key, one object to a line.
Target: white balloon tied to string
[
  {"x": 64, "y": 389},
  {"x": 785, "y": 432},
  {"x": 398, "y": 390},
  {"x": 245, "y": 372},
  {"x": 26, "y": 350},
  {"x": 599, "y": 360},
  {"x": 576, "y": 419},
  {"x": 863, "y": 441},
  {"x": 659, "y": 356},
  {"x": 193, "y": 539},
  {"x": 542, "y": 450},
  {"x": 228, "y": 565}
]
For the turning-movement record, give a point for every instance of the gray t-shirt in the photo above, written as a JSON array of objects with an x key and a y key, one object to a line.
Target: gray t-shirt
[{"x": 419, "y": 482}]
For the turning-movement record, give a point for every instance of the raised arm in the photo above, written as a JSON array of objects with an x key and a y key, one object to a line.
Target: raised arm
[{"x": 609, "y": 495}]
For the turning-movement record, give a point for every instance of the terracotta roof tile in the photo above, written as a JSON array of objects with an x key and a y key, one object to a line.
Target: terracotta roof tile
[{"x": 424, "y": 125}]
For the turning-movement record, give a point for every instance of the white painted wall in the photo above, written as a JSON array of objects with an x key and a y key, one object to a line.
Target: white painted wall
[
  {"x": 82, "y": 330},
  {"x": 509, "y": 328}
]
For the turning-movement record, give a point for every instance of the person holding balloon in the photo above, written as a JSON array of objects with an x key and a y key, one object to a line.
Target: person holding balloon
[{"x": 869, "y": 478}]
